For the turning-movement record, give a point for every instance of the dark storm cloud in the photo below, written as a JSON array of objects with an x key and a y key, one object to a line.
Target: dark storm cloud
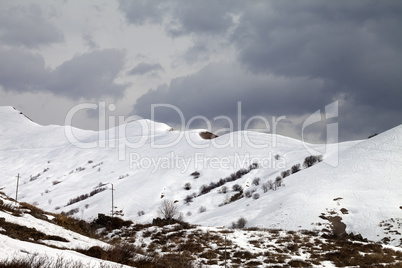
[
  {"x": 201, "y": 17},
  {"x": 27, "y": 26},
  {"x": 349, "y": 50},
  {"x": 89, "y": 75},
  {"x": 184, "y": 17},
  {"x": 143, "y": 11},
  {"x": 22, "y": 71},
  {"x": 144, "y": 68},
  {"x": 357, "y": 46},
  {"x": 218, "y": 88}
]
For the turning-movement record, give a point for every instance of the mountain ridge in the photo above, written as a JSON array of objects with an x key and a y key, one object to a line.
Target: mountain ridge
[{"x": 366, "y": 182}]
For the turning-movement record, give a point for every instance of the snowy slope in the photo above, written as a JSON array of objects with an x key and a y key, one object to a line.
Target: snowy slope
[
  {"x": 145, "y": 161},
  {"x": 53, "y": 249}
]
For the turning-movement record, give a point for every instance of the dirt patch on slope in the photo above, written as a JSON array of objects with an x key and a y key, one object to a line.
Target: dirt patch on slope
[{"x": 206, "y": 135}]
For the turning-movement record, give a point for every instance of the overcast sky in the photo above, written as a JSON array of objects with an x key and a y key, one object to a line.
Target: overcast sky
[{"x": 277, "y": 58}]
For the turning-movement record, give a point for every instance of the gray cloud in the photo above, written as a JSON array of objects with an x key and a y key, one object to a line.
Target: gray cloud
[
  {"x": 218, "y": 88},
  {"x": 89, "y": 75},
  {"x": 22, "y": 71},
  {"x": 184, "y": 17},
  {"x": 89, "y": 41},
  {"x": 296, "y": 58},
  {"x": 27, "y": 26},
  {"x": 142, "y": 11},
  {"x": 283, "y": 58},
  {"x": 356, "y": 46},
  {"x": 144, "y": 68},
  {"x": 201, "y": 17}
]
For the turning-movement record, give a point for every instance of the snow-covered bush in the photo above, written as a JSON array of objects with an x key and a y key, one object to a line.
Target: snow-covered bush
[
  {"x": 195, "y": 174},
  {"x": 285, "y": 173},
  {"x": 223, "y": 190},
  {"x": 202, "y": 209},
  {"x": 256, "y": 181},
  {"x": 241, "y": 223},
  {"x": 187, "y": 186},
  {"x": 237, "y": 188},
  {"x": 248, "y": 193},
  {"x": 312, "y": 160},
  {"x": 278, "y": 181},
  {"x": 295, "y": 168},
  {"x": 188, "y": 199},
  {"x": 140, "y": 213},
  {"x": 265, "y": 187}
]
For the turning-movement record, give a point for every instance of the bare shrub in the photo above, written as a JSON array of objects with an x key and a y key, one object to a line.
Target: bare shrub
[
  {"x": 224, "y": 189},
  {"x": 256, "y": 181},
  {"x": 295, "y": 168},
  {"x": 285, "y": 173},
  {"x": 168, "y": 210},
  {"x": 140, "y": 213},
  {"x": 241, "y": 223},
  {"x": 265, "y": 187},
  {"x": 202, "y": 209},
  {"x": 248, "y": 193},
  {"x": 187, "y": 186},
  {"x": 312, "y": 160},
  {"x": 256, "y": 196},
  {"x": 195, "y": 174},
  {"x": 278, "y": 181},
  {"x": 271, "y": 185},
  {"x": 188, "y": 199},
  {"x": 237, "y": 188}
]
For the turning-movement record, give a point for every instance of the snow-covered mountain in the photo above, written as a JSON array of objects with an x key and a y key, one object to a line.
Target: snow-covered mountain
[{"x": 72, "y": 170}]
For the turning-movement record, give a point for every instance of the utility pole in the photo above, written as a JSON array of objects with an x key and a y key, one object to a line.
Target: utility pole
[
  {"x": 112, "y": 201},
  {"x": 16, "y": 191},
  {"x": 225, "y": 251}
]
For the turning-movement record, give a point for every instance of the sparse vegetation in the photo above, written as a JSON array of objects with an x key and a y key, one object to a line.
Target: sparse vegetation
[
  {"x": 278, "y": 181},
  {"x": 285, "y": 173},
  {"x": 168, "y": 210},
  {"x": 187, "y": 186},
  {"x": 202, "y": 209},
  {"x": 256, "y": 181},
  {"x": 85, "y": 196},
  {"x": 249, "y": 193},
  {"x": 204, "y": 189},
  {"x": 240, "y": 223},
  {"x": 223, "y": 190},
  {"x": 237, "y": 188},
  {"x": 295, "y": 168},
  {"x": 265, "y": 187},
  {"x": 188, "y": 199},
  {"x": 182, "y": 245},
  {"x": 195, "y": 174},
  {"x": 312, "y": 160},
  {"x": 140, "y": 213}
]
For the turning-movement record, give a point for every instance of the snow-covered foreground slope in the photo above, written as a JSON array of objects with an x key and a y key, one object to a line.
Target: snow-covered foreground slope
[
  {"x": 146, "y": 163},
  {"x": 58, "y": 245}
]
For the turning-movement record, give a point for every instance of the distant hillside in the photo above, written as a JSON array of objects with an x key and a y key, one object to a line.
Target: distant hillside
[{"x": 213, "y": 182}]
